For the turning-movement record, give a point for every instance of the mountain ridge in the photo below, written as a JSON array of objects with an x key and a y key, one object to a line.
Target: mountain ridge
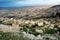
[{"x": 30, "y": 12}]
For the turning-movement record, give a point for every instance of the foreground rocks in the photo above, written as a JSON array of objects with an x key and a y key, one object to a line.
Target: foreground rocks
[
  {"x": 32, "y": 29},
  {"x": 40, "y": 23}
]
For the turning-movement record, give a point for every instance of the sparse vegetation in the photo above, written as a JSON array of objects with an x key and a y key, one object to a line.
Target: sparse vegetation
[
  {"x": 41, "y": 27},
  {"x": 11, "y": 36},
  {"x": 30, "y": 24}
]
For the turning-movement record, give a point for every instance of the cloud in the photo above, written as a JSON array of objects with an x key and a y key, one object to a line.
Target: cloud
[
  {"x": 13, "y": 3},
  {"x": 32, "y": 2},
  {"x": 54, "y": 2},
  {"x": 38, "y": 2}
]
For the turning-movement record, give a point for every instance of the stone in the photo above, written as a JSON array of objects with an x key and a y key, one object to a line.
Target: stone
[
  {"x": 40, "y": 24},
  {"x": 46, "y": 22},
  {"x": 39, "y": 31}
]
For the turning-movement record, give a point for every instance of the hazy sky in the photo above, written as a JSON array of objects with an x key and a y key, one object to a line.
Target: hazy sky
[{"x": 19, "y": 3}]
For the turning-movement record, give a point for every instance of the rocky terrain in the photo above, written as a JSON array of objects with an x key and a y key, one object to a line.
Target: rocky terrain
[
  {"x": 30, "y": 23},
  {"x": 29, "y": 12}
]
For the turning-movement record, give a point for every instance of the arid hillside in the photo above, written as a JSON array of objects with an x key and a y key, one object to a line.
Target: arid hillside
[
  {"x": 30, "y": 23},
  {"x": 31, "y": 12}
]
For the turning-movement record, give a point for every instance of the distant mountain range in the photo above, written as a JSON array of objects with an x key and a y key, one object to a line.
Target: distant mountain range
[
  {"x": 10, "y": 8},
  {"x": 30, "y": 12}
]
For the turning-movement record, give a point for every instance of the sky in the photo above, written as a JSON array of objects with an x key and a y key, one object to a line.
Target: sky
[{"x": 20, "y": 3}]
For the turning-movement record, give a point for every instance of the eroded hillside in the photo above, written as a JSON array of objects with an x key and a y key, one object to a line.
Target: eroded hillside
[
  {"x": 43, "y": 23},
  {"x": 28, "y": 12}
]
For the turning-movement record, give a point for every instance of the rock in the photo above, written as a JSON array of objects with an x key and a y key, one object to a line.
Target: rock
[
  {"x": 30, "y": 36},
  {"x": 39, "y": 31},
  {"x": 46, "y": 22},
  {"x": 52, "y": 26},
  {"x": 39, "y": 37},
  {"x": 27, "y": 22},
  {"x": 32, "y": 22},
  {"x": 58, "y": 26},
  {"x": 40, "y": 23},
  {"x": 4, "y": 28},
  {"x": 46, "y": 26}
]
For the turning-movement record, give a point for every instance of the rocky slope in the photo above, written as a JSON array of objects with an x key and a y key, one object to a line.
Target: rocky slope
[
  {"x": 31, "y": 12},
  {"x": 40, "y": 29}
]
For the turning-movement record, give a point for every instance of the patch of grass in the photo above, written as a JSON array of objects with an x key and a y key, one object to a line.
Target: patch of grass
[
  {"x": 49, "y": 31},
  {"x": 11, "y": 36}
]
